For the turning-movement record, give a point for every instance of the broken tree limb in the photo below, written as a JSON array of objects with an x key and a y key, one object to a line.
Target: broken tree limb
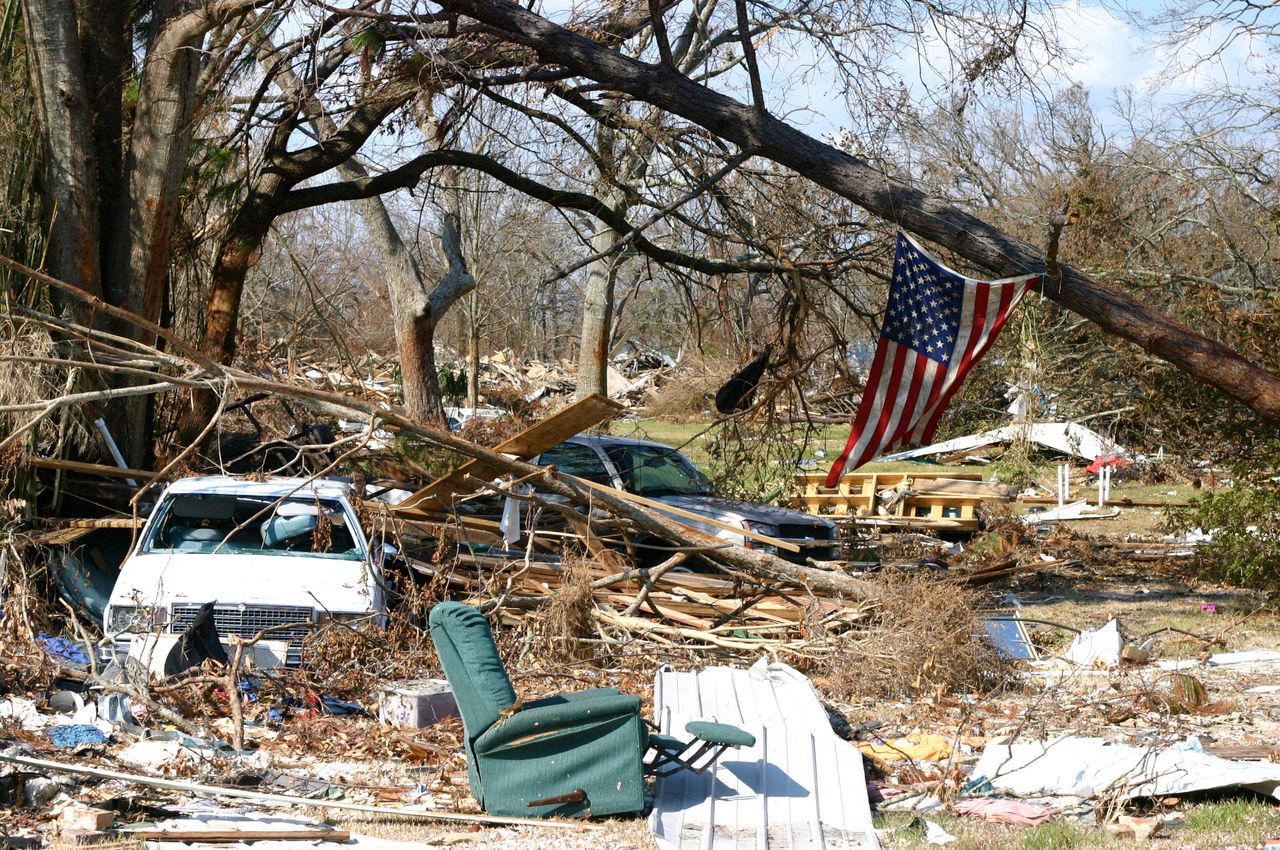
[
  {"x": 756, "y": 563},
  {"x": 689, "y": 515},
  {"x": 1112, "y": 309},
  {"x": 751, "y": 561},
  {"x": 286, "y": 799}
]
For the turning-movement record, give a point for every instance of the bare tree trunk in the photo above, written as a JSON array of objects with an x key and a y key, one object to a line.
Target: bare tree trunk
[
  {"x": 473, "y": 352},
  {"x": 239, "y": 251},
  {"x": 602, "y": 274},
  {"x": 70, "y": 179},
  {"x": 105, "y": 56},
  {"x": 1112, "y": 309},
  {"x": 159, "y": 143},
  {"x": 597, "y": 317},
  {"x": 416, "y": 344},
  {"x": 414, "y": 325}
]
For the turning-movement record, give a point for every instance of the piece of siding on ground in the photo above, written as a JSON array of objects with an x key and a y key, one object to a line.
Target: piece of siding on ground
[{"x": 800, "y": 786}]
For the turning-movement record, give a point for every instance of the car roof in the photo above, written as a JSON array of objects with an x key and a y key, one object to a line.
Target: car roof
[
  {"x": 227, "y": 485},
  {"x": 604, "y": 442}
]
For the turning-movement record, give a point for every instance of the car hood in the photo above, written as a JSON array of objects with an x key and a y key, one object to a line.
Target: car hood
[
  {"x": 734, "y": 510},
  {"x": 319, "y": 583}
]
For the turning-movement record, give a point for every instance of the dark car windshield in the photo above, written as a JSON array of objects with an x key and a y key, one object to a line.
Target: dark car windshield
[
  {"x": 225, "y": 524},
  {"x": 658, "y": 471}
]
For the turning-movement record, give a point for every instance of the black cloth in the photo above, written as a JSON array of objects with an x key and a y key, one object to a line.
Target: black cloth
[
  {"x": 737, "y": 392},
  {"x": 197, "y": 643}
]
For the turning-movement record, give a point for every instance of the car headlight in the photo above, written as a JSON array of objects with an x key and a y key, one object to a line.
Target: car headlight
[
  {"x": 761, "y": 528},
  {"x": 132, "y": 618}
]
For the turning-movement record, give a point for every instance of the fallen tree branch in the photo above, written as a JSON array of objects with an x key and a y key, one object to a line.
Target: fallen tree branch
[{"x": 288, "y": 800}]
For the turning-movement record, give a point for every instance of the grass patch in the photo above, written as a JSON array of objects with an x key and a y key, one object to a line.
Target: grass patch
[
  {"x": 1055, "y": 835},
  {"x": 1212, "y": 825},
  {"x": 1237, "y": 820}
]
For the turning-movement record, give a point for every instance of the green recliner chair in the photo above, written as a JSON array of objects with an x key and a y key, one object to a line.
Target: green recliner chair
[{"x": 580, "y": 753}]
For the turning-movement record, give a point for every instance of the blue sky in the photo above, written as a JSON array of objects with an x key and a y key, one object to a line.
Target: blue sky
[{"x": 1105, "y": 50}]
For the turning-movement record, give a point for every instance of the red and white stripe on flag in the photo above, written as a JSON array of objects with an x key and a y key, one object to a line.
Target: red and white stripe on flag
[{"x": 937, "y": 325}]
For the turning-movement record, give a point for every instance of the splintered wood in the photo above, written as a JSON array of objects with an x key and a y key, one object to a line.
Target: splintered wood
[
  {"x": 667, "y": 603},
  {"x": 549, "y": 432}
]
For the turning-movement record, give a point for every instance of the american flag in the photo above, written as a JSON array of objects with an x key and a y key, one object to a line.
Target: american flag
[{"x": 937, "y": 325}]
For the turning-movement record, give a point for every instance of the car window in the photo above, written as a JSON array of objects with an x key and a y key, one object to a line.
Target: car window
[
  {"x": 581, "y": 461},
  {"x": 207, "y": 524},
  {"x": 657, "y": 471}
]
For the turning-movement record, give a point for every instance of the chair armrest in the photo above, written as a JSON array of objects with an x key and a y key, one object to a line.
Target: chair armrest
[
  {"x": 572, "y": 696},
  {"x": 545, "y": 723},
  {"x": 720, "y": 733}
]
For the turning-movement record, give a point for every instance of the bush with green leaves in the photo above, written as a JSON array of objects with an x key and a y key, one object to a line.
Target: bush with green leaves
[{"x": 1245, "y": 523}]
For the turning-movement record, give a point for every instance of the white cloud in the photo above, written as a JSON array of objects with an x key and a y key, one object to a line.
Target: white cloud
[{"x": 1101, "y": 51}]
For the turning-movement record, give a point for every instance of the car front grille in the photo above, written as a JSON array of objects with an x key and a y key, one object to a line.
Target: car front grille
[
  {"x": 799, "y": 531},
  {"x": 247, "y": 620},
  {"x": 804, "y": 533}
]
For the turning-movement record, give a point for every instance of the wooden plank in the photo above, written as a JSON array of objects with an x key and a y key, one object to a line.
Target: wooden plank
[
  {"x": 532, "y": 441},
  {"x": 91, "y": 468},
  {"x": 101, "y": 522},
  {"x": 653, "y": 504},
  {"x": 961, "y": 487},
  {"x": 231, "y": 836},
  {"x": 60, "y": 536}
]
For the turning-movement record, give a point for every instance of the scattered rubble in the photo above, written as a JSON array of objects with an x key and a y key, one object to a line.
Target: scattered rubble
[{"x": 969, "y": 674}]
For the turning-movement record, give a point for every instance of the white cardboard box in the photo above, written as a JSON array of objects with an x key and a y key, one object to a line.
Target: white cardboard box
[{"x": 415, "y": 704}]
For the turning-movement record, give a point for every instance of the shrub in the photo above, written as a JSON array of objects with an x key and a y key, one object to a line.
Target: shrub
[{"x": 1245, "y": 523}]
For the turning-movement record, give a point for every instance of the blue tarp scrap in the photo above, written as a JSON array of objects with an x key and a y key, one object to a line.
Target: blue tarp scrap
[
  {"x": 72, "y": 737},
  {"x": 63, "y": 649},
  {"x": 333, "y": 705}
]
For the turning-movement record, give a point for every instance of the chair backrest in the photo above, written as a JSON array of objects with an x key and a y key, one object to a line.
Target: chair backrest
[
  {"x": 278, "y": 529},
  {"x": 472, "y": 665}
]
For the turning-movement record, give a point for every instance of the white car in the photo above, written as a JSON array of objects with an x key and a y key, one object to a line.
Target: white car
[{"x": 280, "y": 552}]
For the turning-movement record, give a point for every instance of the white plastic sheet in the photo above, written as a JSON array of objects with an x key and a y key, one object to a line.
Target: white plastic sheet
[
  {"x": 1089, "y": 767},
  {"x": 1100, "y": 646}
]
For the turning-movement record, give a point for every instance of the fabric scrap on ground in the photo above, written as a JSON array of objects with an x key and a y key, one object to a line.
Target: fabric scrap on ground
[
  {"x": 936, "y": 836},
  {"x": 918, "y": 746},
  {"x": 75, "y": 736},
  {"x": 24, "y": 712},
  {"x": 997, "y": 810},
  {"x": 63, "y": 649}
]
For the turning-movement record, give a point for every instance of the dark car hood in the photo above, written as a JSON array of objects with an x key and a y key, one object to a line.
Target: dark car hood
[{"x": 723, "y": 509}]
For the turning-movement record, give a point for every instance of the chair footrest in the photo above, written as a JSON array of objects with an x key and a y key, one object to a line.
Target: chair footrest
[
  {"x": 669, "y": 743},
  {"x": 720, "y": 733}
]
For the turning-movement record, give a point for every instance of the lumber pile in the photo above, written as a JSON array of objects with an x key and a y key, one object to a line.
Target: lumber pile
[
  {"x": 669, "y": 602},
  {"x": 943, "y": 501}
]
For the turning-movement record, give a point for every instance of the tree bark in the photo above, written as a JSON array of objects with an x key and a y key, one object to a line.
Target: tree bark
[
  {"x": 418, "y": 373},
  {"x": 70, "y": 180},
  {"x": 1112, "y": 309},
  {"x": 159, "y": 143},
  {"x": 597, "y": 317},
  {"x": 473, "y": 352},
  {"x": 105, "y": 55}
]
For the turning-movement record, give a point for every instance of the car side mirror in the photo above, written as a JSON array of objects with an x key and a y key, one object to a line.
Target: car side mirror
[{"x": 385, "y": 551}]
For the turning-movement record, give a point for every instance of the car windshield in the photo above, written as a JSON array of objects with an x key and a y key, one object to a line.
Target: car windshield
[
  {"x": 218, "y": 524},
  {"x": 658, "y": 471}
]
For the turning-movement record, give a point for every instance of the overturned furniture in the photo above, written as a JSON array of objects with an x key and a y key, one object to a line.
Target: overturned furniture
[
  {"x": 947, "y": 501},
  {"x": 580, "y": 753}
]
